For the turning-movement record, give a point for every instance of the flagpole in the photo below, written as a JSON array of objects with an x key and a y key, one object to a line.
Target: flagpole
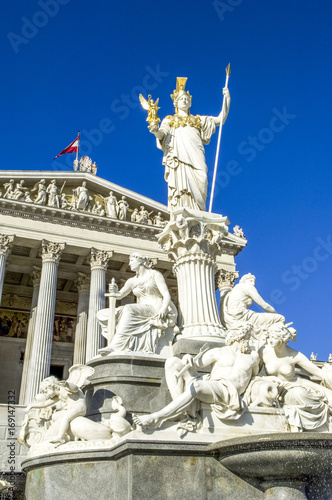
[
  {"x": 78, "y": 144},
  {"x": 228, "y": 72}
]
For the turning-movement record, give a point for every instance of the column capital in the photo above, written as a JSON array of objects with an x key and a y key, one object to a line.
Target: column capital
[
  {"x": 51, "y": 251},
  {"x": 226, "y": 278},
  {"x": 5, "y": 244},
  {"x": 82, "y": 282},
  {"x": 99, "y": 258},
  {"x": 35, "y": 275},
  {"x": 193, "y": 232}
]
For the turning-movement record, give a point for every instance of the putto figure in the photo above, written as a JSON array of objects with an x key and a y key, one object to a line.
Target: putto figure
[{"x": 182, "y": 137}]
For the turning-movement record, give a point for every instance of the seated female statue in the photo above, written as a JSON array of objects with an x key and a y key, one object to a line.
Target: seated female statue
[
  {"x": 138, "y": 326},
  {"x": 306, "y": 403}
]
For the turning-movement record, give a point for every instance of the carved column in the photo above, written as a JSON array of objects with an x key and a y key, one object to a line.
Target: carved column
[
  {"x": 40, "y": 359},
  {"x": 225, "y": 280},
  {"x": 5, "y": 244},
  {"x": 193, "y": 240},
  {"x": 83, "y": 286},
  {"x": 99, "y": 261},
  {"x": 35, "y": 275}
]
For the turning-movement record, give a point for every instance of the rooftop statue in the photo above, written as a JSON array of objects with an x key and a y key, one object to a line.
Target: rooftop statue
[
  {"x": 138, "y": 326},
  {"x": 182, "y": 137}
]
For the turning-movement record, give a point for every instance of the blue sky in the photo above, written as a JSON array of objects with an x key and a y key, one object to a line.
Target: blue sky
[{"x": 73, "y": 65}]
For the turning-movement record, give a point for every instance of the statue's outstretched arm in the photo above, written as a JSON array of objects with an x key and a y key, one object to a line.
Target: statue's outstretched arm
[
  {"x": 225, "y": 109},
  {"x": 259, "y": 300},
  {"x": 125, "y": 290},
  {"x": 159, "y": 134},
  {"x": 308, "y": 365}
]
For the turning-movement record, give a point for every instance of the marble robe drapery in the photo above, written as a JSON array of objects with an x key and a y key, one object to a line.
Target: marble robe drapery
[
  {"x": 184, "y": 160},
  {"x": 137, "y": 325}
]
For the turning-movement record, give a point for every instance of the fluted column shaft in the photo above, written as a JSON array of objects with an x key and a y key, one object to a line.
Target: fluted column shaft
[
  {"x": 99, "y": 261},
  {"x": 5, "y": 244},
  {"x": 198, "y": 307},
  {"x": 192, "y": 240},
  {"x": 83, "y": 285},
  {"x": 31, "y": 330},
  {"x": 42, "y": 339}
]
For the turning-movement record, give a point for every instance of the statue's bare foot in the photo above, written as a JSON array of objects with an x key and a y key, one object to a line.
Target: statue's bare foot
[
  {"x": 58, "y": 440},
  {"x": 105, "y": 351},
  {"x": 146, "y": 421}
]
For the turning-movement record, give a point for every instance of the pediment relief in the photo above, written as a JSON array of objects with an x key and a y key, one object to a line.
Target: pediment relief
[{"x": 81, "y": 192}]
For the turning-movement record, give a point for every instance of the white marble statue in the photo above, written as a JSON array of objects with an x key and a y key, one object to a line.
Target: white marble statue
[
  {"x": 238, "y": 231},
  {"x": 63, "y": 201},
  {"x": 138, "y": 326},
  {"x": 56, "y": 414},
  {"x": 182, "y": 137},
  {"x": 9, "y": 189},
  {"x": 82, "y": 196},
  {"x": 123, "y": 206},
  {"x": 306, "y": 404},
  {"x": 143, "y": 216},
  {"x": 159, "y": 221},
  {"x": 135, "y": 215},
  {"x": 53, "y": 195},
  {"x": 233, "y": 366},
  {"x": 235, "y": 307},
  {"x": 19, "y": 192},
  {"x": 40, "y": 187},
  {"x": 98, "y": 209},
  {"x": 111, "y": 205}
]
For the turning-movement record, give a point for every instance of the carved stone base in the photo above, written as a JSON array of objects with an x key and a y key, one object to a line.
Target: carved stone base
[{"x": 135, "y": 377}]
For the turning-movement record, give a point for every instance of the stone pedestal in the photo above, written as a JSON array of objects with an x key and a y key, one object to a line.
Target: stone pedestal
[
  {"x": 99, "y": 261},
  {"x": 192, "y": 240},
  {"x": 135, "y": 377}
]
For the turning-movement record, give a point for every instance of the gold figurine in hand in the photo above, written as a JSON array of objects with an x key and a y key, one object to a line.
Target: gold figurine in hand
[{"x": 152, "y": 108}]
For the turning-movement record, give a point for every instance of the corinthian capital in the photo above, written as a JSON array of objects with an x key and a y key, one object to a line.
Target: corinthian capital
[
  {"x": 5, "y": 244},
  {"x": 35, "y": 275},
  {"x": 83, "y": 282},
  {"x": 99, "y": 258},
  {"x": 52, "y": 251},
  {"x": 226, "y": 279}
]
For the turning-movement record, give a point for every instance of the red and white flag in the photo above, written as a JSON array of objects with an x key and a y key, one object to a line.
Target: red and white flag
[{"x": 72, "y": 148}]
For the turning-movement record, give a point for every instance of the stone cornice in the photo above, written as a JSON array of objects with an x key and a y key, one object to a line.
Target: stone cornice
[{"x": 83, "y": 220}]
